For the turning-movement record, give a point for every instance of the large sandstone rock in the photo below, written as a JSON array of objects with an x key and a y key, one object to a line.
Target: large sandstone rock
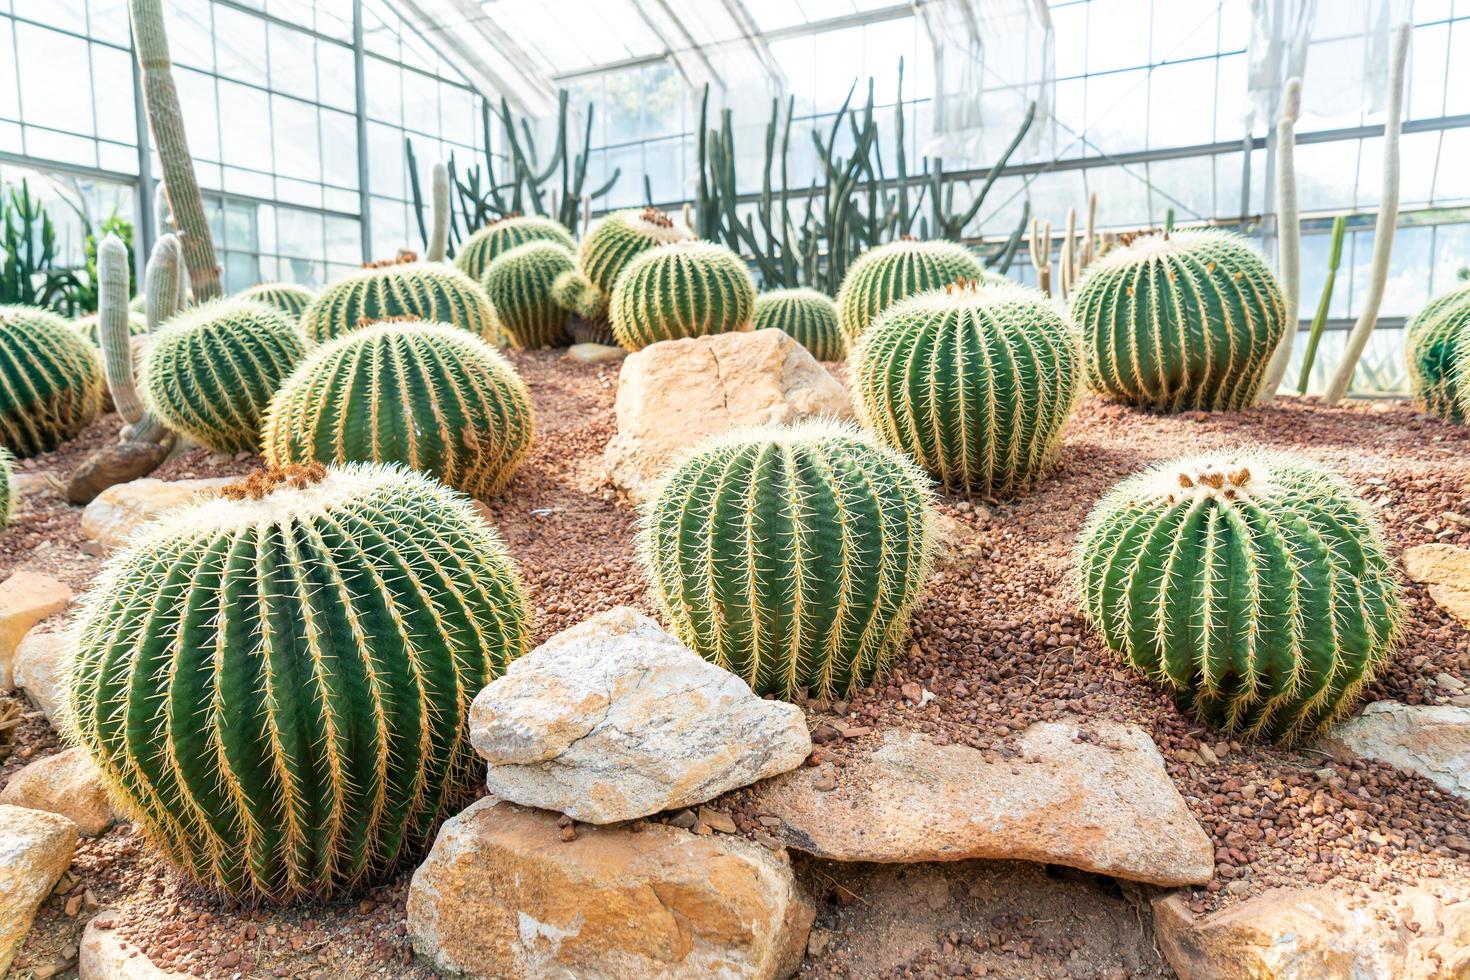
[
  {"x": 42, "y": 665},
  {"x": 1445, "y": 570},
  {"x": 675, "y": 393},
  {"x": 1097, "y": 798},
  {"x": 1321, "y": 934},
  {"x": 120, "y": 510},
  {"x": 106, "y": 955},
  {"x": 501, "y": 895},
  {"x": 25, "y": 599},
  {"x": 1430, "y": 740},
  {"x": 66, "y": 783},
  {"x": 614, "y": 719},
  {"x": 35, "y": 848}
]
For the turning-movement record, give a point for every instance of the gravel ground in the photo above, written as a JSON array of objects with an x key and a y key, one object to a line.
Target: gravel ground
[{"x": 997, "y": 643}]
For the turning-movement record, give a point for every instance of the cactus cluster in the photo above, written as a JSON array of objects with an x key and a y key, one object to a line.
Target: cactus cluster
[
  {"x": 429, "y": 291},
  {"x": 50, "y": 380},
  {"x": 688, "y": 289},
  {"x": 973, "y": 382},
  {"x": 1255, "y": 587},
  {"x": 287, "y": 297},
  {"x": 429, "y": 396},
  {"x": 88, "y": 326},
  {"x": 1435, "y": 348},
  {"x": 520, "y": 282},
  {"x": 495, "y": 239},
  {"x": 210, "y": 371},
  {"x": 791, "y": 557},
  {"x": 605, "y": 252},
  {"x": 807, "y": 316},
  {"x": 884, "y": 275},
  {"x": 276, "y": 683},
  {"x": 1179, "y": 321}
]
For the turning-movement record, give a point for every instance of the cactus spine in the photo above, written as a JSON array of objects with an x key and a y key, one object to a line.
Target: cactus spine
[
  {"x": 287, "y": 297},
  {"x": 495, "y": 239},
  {"x": 429, "y": 396},
  {"x": 611, "y": 244},
  {"x": 974, "y": 383},
  {"x": 884, "y": 275},
  {"x": 1432, "y": 345},
  {"x": 383, "y": 291},
  {"x": 50, "y": 380},
  {"x": 276, "y": 683},
  {"x": 520, "y": 284},
  {"x": 1255, "y": 587},
  {"x": 791, "y": 557},
  {"x": 807, "y": 316},
  {"x": 689, "y": 289}
]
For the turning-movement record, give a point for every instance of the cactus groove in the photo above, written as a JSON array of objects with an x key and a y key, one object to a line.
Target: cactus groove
[
  {"x": 689, "y": 289},
  {"x": 609, "y": 246},
  {"x": 287, "y": 297},
  {"x": 519, "y": 284},
  {"x": 50, "y": 380},
  {"x": 807, "y": 316},
  {"x": 884, "y": 275},
  {"x": 495, "y": 239},
  {"x": 428, "y": 291}
]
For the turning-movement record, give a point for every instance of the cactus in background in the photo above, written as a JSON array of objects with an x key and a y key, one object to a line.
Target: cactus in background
[
  {"x": 1324, "y": 302},
  {"x": 807, "y": 316},
  {"x": 1288, "y": 233},
  {"x": 211, "y": 370},
  {"x": 115, "y": 327},
  {"x": 1180, "y": 321},
  {"x": 287, "y": 297},
  {"x": 973, "y": 383},
  {"x": 429, "y": 396},
  {"x": 497, "y": 238},
  {"x": 1255, "y": 587},
  {"x": 407, "y": 288},
  {"x": 791, "y": 557},
  {"x": 520, "y": 285},
  {"x": 1039, "y": 245},
  {"x": 882, "y": 276},
  {"x": 90, "y": 326},
  {"x": 334, "y": 626},
  {"x": 607, "y": 249},
  {"x": 1435, "y": 350},
  {"x": 7, "y": 487},
  {"x": 163, "y": 277},
  {"x": 50, "y": 380},
  {"x": 438, "y": 242},
  {"x": 689, "y": 289}
]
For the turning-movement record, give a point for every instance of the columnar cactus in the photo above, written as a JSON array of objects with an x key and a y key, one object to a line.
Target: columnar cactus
[
  {"x": 495, "y": 239},
  {"x": 884, "y": 275},
  {"x": 519, "y": 284},
  {"x": 7, "y": 487},
  {"x": 87, "y": 326},
  {"x": 211, "y": 370},
  {"x": 689, "y": 289},
  {"x": 606, "y": 250},
  {"x": 973, "y": 382},
  {"x": 383, "y": 290},
  {"x": 429, "y": 396},
  {"x": 1255, "y": 587},
  {"x": 287, "y": 297},
  {"x": 791, "y": 557},
  {"x": 807, "y": 316},
  {"x": 1182, "y": 320},
  {"x": 276, "y": 683},
  {"x": 1433, "y": 349},
  {"x": 50, "y": 380}
]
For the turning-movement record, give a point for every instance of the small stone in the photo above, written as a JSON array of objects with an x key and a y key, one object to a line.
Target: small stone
[
  {"x": 42, "y": 662},
  {"x": 66, "y": 783},
  {"x": 26, "y": 598},
  {"x": 717, "y": 820},
  {"x": 684, "y": 818},
  {"x": 825, "y": 782},
  {"x": 120, "y": 462},
  {"x": 594, "y": 354},
  {"x": 35, "y": 849},
  {"x": 1207, "y": 756}
]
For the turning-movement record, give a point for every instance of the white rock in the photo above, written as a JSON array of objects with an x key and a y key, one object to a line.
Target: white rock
[
  {"x": 614, "y": 719},
  {"x": 26, "y": 598},
  {"x": 594, "y": 354},
  {"x": 66, "y": 783},
  {"x": 42, "y": 665},
  {"x": 118, "y": 511},
  {"x": 105, "y": 955},
  {"x": 35, "y": 849},
  {"x": 1432, "y": 741}
]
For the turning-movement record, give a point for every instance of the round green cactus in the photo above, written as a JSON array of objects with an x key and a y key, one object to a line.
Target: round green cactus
[
  {"x": 50, "y": 380},
  {"x": 428, "y": 396},
  {"x": 1434, "y": 348},
  {"x": 211, "y": 370},
  {"x": 287, "y": 297},
  {"x": 607, "y": 249},
  {"x": 88, "y": 326},
  {"x": 791, "y": 557},
  {"x": 807, "y": 316},
  {"x": 973, "y": 382},
  {"x": 1256, "y": 587},
  {"x": 884, "y": 275},
  {"x": 495, "y": 239},
  {"x": 429, "y": 291},
  {"x": 276, "y": 683},
  {"x": 1179, "y": 321},
  {"x": 519, "y": 284},
  {"x": 689, "y": 289}
]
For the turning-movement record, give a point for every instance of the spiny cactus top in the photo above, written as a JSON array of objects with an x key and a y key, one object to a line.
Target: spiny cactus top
[
  {"x": 689, "y": 289},
  {"x": 276, "y": 683},
  {"x": 807, "y": 316},
  {"x": 1182, "y": 320},
  {"x": 791, "y": 557},
  {"x": 519, "y": 284},
  {"x": 972, "y": 381},
  {"x": 1256, "y": 587},
  {"x": 429, "y": 291},
  {"x": 1433, "y": 347},
  {"x": 50, "y": 380},
  {"x": 614, "y": 241},
  {"x": 287, "y": 297},
  {"x": 87, "y": 326},
  {"x": 495, "y": 239},
  {"x": 429, "y": 396},
  {"x": 884, "y": 275},
  {"x": 211, "y": 370}
]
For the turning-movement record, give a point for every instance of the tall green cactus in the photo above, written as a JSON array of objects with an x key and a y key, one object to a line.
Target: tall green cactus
[
  {"x": 1432, "y": 345},
  {"x": 807, "y": 316},
  {"x": 973, "y": 382},
  {"x": 428, "y": 291},
  {"x": 276, "y": 684},
  {"x": 429, "y": 396},
  {"x": 884, "y": 275},
  {"x": 1180, "y": 321},
  {"x": 791, "y": 557},
  {"x": 689, "y": 289},
  {"x": 609, "y": 246},
  {"x": 211, "y": 370},
  {"x": 1256, "y": 587},
  {"x": 520, "y": 284},
  {"x": 287, "y": 297},
  {"x": 498, "y": 237},
  {"x": 50, "y": 380}
]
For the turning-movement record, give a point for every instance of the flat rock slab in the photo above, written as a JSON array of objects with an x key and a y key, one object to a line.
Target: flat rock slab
[
  {"x": 1432, "y": 741},
  {"x": 66, "y": 783},
  {"x": 41, "y": 666},
  {"x": 120, "y": 510},
  {"x": 105, "y": 955},
  {"x": 26, "y": 598},
  {"x": 35, "y": 848},
  {"x": 1097, "y": 798},
  {"x": 1445, "y": 570}
]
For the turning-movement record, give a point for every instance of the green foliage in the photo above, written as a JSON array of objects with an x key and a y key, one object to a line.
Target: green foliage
[
  {"x": 50, "y": 380},
  {"x": 884, "y": 275},
  {"x": 791, "y": 557},
  {"x": 1255, "y": 587},
  {"x": 276, "y": 683},
  {"x": 495, "y": 239},
  {"x": 807, "y": 316},
  {"x": 688, "y": 289},
  {"x": 287, "y": 297},
  {"x": 430, "y": 291},
  {"x": 973, "y": 382},
  {"x": 1435, "y": 350},
  {"x": 29, "y": 275},
  {"x": 1180, "y": 321},
  {"x": 521, "y": 286},
  {"x": 611, "y": 244}
]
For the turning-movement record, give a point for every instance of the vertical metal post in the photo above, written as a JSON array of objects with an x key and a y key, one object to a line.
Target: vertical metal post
[{"x": 365, "y": 221}]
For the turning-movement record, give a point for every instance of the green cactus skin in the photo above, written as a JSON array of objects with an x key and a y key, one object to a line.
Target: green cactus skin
[
  {"x": 1433, "y": 348},
  {"x": 50, "y": 380},
  {"x": 791, "y": 557},
  {"x": 495, "y": 239},
  {"x": 275, "y": 684},
  {"x": 807, "y": 316},
  {"x": 689, "y": 289},
  {"x": 520, "y": 286},
  {"x": 429, "y": 291},
  {"x": 884, "y": 275},
  {"x": 211, "y": 371},
  {"x": 574, "y": 291},
  {"x": 612, "y": 243},
  {"x": 287, "y": 297},
  {"x": 88, "y": 326},
  {"x": 973, "y": 382},
  {"x": 428, "y": 396},
  {"x": 1255, "y": 587},
  {"x": 7, "y": 487},
  {"x": 1180, "y": 321}
]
